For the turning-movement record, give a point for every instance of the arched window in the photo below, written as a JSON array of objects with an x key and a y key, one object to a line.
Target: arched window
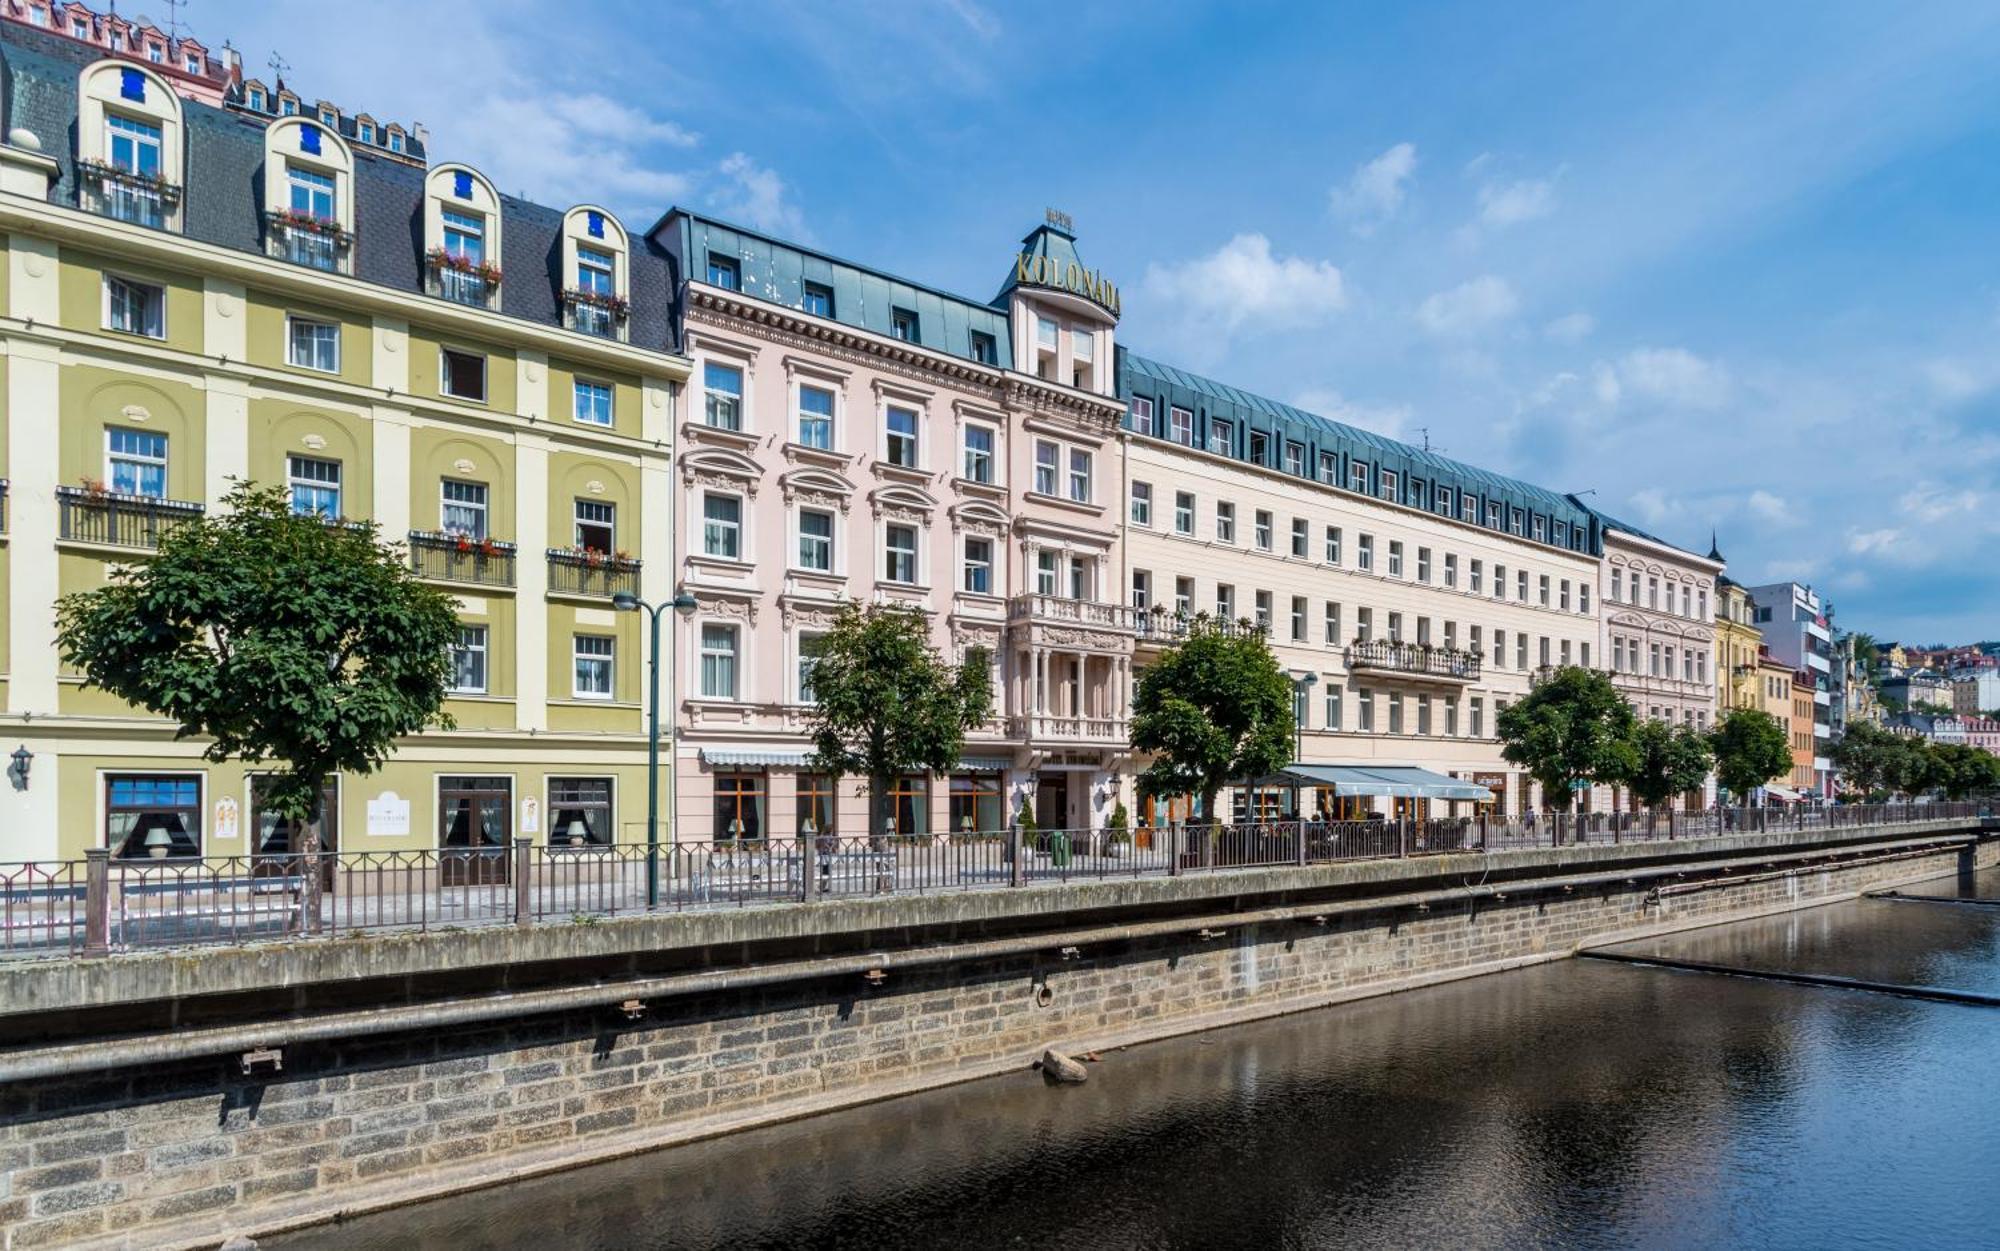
[
  {"x": 129, "y": 141},
  {"x": 462, "y": 236},
  {"x": 596, "y": 283},
  {"x": 308, "y": 195}
]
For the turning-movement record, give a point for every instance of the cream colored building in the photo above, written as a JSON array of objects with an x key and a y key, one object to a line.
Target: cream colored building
[{"x": 192, "y": 299}]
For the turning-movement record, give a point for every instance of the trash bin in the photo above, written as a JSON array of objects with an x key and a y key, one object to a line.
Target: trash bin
[{"x": 1058, "y": 844}]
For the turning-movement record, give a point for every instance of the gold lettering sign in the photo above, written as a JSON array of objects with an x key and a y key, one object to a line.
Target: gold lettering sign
[{"x": 1039, "y": 271}]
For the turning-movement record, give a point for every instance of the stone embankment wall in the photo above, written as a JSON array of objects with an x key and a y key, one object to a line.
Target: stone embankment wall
[{"x": 182, "y": 1152}]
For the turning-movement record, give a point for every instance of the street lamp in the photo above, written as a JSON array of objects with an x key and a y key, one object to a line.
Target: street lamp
[
  {"x": 1300, "y": 686},
  {"x": 682, "y": 603}
]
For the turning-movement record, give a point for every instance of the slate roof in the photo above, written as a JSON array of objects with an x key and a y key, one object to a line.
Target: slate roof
[
  {"x": 223, "y": 191},
  {"x": 1612, "y": 523}
]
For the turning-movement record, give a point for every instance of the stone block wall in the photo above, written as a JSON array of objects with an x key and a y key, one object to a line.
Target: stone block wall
[{"x": 179, "y": 1153}]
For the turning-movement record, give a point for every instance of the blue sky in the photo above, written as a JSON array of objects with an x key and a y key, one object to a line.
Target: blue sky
[{"x": 1727, "y": 265}]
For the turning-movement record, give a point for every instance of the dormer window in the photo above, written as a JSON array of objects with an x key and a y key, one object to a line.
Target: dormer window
[
  {"x": 903, "y": 325},
  {"x": 723, "y": 272},
  {"x": 80, "y": 28},
  {"x": 308, "y": 174},
  {"x": 367, "y": 132},
  {"x": 817, "y": 300},
  {"x": 156, "y": 54},
  {"x": 193, "y": 63},
  {"x": 288, "y": 106},
  {"x": 395, "y": 141},
  {"x": 256, "y": 98},
  {"x": 129, "y": 145},
  {"x": 985, "y": 349},
  {"x": 594, "y": 284},
  {"x": 462, "y": 245},
  {"x": 329, "y": 117}
]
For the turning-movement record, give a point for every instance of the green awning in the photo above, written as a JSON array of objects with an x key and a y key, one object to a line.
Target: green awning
[{"x": 1392, "y": 781}]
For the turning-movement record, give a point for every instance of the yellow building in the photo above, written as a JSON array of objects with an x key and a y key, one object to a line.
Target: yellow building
[
  {"x": 1737, "y": 644},
  {"x": 195, "y": 296}
]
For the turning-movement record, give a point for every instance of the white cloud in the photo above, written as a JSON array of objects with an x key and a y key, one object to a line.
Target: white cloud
[
  {"x": 1930, "y": 503},
  {"x": 1389, "y": 420},
  {"x": 1771, "y": 508},
  {"x": 1468, "y": 307},
  {"x": 1242, "y": 283},
  {"x": 1604, "y": 384},
  {"x": 1882, "y": 542},
  {"x": 1674, "y": 376},
  {"x": 1653, "y": 506},
  {"x": 1570, "y": 328},
  {"x": 1511, "y": 203},
  {"x": 1376, "y": 190},
  {"x": 755, "y": 196}
]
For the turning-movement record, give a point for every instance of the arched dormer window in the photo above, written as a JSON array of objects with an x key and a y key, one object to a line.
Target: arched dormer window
[
  {"x": 596, "y": 273},
  {"x": 308, "y": 195},
  {"x": 129, "y": 142},
  {"x": 462, "y": 236}
]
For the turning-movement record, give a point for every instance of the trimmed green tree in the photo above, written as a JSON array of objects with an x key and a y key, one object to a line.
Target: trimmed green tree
[
  {"x": 1750, "y": 748},
  {"x": 887, "y": 703},
  {"x": 1960, "y": 769},
  {"x": 280, "y": 638},
  {"x": 1869, "y": 759},
  {"x": 1573, "y": 728},
  {"x": 1668, "y": 760},
  {"x": 1214, "y": 708}
]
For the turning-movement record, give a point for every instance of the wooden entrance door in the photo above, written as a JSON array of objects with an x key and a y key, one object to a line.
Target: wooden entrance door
[{"x": 475, "y": 830}]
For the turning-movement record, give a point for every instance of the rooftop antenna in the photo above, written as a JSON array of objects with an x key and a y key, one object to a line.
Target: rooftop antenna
[
  {"x": 278, "y": 66},
  {"x": 174, "y": 30},
  {"x": 1426, "y": 432}
]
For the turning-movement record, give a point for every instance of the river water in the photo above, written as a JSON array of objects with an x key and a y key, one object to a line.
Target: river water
[{"x": 1573, "y": 1105}]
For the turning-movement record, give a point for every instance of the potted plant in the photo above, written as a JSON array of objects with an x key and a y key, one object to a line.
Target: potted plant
[{"x": 1118, "y": 833}]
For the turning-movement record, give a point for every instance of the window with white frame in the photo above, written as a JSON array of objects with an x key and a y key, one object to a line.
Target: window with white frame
[
  {"x": 1298, "y": 618},
  {"x": 1364, "y": 553},
  {"x": 135, "y": 307},
  {"x": 312, "y": 344},
  {"x": 1079, "y": 475},
  {"x": 1180, "y": 423},
  {"x": 978, "y": 573},
  {"x": 1476, "y": 577},
  {"x": 1142, "y": 504},
  {"x": 1330, "y": 623},
  {"x": 1295, "y": 458},
  {"x": 594, "y": 653},
  {"x": 1450, "y": 571},
  {"x": 721, "y": 526},
  {"x": 718, "y": 661},
  {"x": 1142, "y": 415},
  {"x": 899, "y": 554},
  {"x": 1142, "y": 589},
  {"x": 593, "y": 402},
  {"x": 1184, "y": 596},
  {"x": 596, "y": 526},
  {"x": 132, "y": 145},
  {"x": 1225, "y": 522},
  {"x": 1388, "y": 484},
  {"x": 135, "y": 462},
  {"x": 1329, "y": 469},
  {"x": 900, "y": 437},
  {"x": 1333, "y": 545},
  {"x": 464, "y": 235},
  {"x": 1301, "y": 537},
  {"x": 815, "y": 417},
  {"x": 1045, "y": 572},
  {"x": 468, "y": 661},
  {"x": 310, "y": 192},
  {"x": 1333, "y": 692},
  {"x": 596, "y": 272},
  {"x": 816, "y": 540},
  {"x": 722, "y": 395},
  {"x": 811, "y": 646},
  {"x": 1184, "y": 512},
  {"x": 462, "y": 375},
  {"x": 1357, "y": 477},
  {"x": 979, "y": 447},
  {"x": 1048, "y": 464},
  {"x": 462, "y": 508},
  {"x": 315, "y": 485},
  {"x": 1219, "y": 436}
]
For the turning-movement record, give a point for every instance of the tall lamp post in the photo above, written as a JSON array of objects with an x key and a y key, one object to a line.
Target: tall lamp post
[
  {"x": 1301, "y": 693},
  {"x": 683, "y": 603}
]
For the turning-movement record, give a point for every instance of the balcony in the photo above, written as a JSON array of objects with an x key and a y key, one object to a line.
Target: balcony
[
  {"x": 460, "y": 280},
  {"x": 594, "y": 313},
  {"x": 1416, "y": 661},
  {"x": 582, "y": 571},
  {"x": 1162, "y": 627},
  {"x": 1094, "y": 731},
  {"x": 440, "y": 557},
  {"x": 122, "y": 195},
  {"x": 302, "y": 239},
  {"x": 1058, "y": 610},
  {"x": 93, "y": 515}
]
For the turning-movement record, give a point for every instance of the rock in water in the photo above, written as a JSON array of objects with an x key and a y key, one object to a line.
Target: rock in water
[
  {"x": 1058, "y": 1067},
  {"x": 239, "y": 1242}
]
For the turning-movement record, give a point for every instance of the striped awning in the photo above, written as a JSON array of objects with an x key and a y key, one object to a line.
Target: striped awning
[
  {"x": 727, "y": 759},
  {"x": 986, "y": 764},
  {"x": 1391, "y": 781}
]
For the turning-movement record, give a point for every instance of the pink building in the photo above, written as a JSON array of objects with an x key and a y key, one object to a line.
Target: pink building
[{"x": 852, "y": 436}]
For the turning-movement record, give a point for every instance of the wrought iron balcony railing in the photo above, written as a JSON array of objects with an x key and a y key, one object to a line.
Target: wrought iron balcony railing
[
  {"x": 580, "y": 571},
  {"x": 125, "y": 196},
  {"x": 94, "y": 516},
  {"x": 314, "y": 242},
  {"x": 1415, "y": 660},
  {"x": 590, "y": 312},
  {"x": 455, "y": 558}
]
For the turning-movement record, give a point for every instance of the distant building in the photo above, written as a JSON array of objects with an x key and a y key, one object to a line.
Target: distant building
[
  {"x": 1804, "y": 724},
  {"x": 1917, "y": 688},
  {"x": 1737, "y": 643},
  {"x": 185, "y": 63},
  {"x": 1976, "y": 691},
  {"x": 1795, "y": 627}
]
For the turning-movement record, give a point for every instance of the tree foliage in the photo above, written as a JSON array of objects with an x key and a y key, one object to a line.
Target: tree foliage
[
  {"x": 1215, "y": 708},
  {"x": 278, "y": 637},
  {"x": 1870, "y": 760},
  {"x": 887, "y": 703},
  {"x": 1750, "y": 747},
  {"x": 1668, "y": 760},
  {"x": 1960, "y": 769},
  {"x": 1573, "y": 728}
]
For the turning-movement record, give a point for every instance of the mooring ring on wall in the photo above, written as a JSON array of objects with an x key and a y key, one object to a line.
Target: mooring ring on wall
[{"x": 1044, "y": 995}]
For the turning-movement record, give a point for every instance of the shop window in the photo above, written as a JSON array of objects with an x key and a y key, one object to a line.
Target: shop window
[
  {"x": 978, "y": 805},
  {"x": 909, "y": 806},
  {"x": 580, "y": 812},
  {"x": 739, "y": 806},
  {"x": 152, "y": 815}
]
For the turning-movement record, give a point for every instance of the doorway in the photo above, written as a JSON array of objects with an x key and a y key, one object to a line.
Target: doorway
[
  {"x": 275, "y": 835},
  {"x": 1052, "y": 801},
  {"x": 475, "y": 830}
]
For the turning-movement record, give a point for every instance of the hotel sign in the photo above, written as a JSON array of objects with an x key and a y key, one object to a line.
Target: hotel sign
[{"x": 1043, "y": 271}]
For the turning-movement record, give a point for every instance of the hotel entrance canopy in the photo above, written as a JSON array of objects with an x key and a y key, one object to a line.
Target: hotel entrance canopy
[{"x": 1393, "y": 781}]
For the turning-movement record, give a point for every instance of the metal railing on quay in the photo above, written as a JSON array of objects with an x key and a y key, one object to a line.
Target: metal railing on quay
[{"x": 101, "y": 904}]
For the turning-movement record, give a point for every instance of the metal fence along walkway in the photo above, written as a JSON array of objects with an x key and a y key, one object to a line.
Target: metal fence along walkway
[{"x": 97, "y": 905}]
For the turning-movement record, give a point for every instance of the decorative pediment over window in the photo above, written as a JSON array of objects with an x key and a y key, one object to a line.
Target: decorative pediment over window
[
  {"x": 902, "y": 503},
  {"x": 979, "y": 517},
  {"x": 720, "y": 467},
  {"x": 816, "y": 486},
  {"x": 1632, "y": 619}
]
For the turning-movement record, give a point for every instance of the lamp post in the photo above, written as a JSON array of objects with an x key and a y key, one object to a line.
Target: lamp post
[
  {"x": 1301, "y": 686},
  {"x": 625, "y": 602}
]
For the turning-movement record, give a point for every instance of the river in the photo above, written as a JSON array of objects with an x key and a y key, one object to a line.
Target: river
[{"x": 1578, "y": 1104}]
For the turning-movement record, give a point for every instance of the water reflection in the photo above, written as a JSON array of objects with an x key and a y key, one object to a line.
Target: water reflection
[{"x": 1572, "y": 1105}]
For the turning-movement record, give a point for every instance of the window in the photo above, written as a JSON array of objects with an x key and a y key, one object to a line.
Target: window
[
  {"x": 1364, "y": 624},
  {"x": 143, "y": 811},
  {"x": 596, "y": 526},
  {"x": 1617, "y": 585},
  {"x": 366, "y": 130},
  {"x": 1542, "y": 590},
  {"x": 132, "y": 145},
  {"x": 1300, "y": 537},
  {"x": 722, "y": 388},
  {"x": 1423, "y": 714},
  {"x": 1476, "y": 717},
  {"x": 135, "y": 308},
  {"x": 395, "y": 141},
  {"x": 1079, "y": 475},
  {"x": 1331, "y": 623},
  {"x": 979, "y": 566},
  {"x": 1261, "y": 527},
  {"x": 312, "y": 344},
  {"x": 593, "y": 665},
  {"x": 309, "y": 191},
  {"x": 1260, "y": 447},
  {"x": 1183, "y": 596},
  {"x": 1332, "y": 707},
  {"x": 1450, "y": 571},
  {"x": 1080, "y": 577},
  {"x": 1521, "y": 651},
  {"x": 1539, "y": 528},
  {"x": 1423, "y": 564},
  {"x": 1225, "y": 601},
  {"x": 315, "y": 485},
  {"x": 903, "y": 325},
  {"x": 1333, "y": 545},
  {"x": 900, "y": 554},
  {"x": 723, "y": 272},
  {"x": 979, "y": 453},
  {"x": 1499, "y": 648},
  {"x": 811, "y": 646},
  {"x": 464, "y": 235},
  {"x": 1499, "y": 582},
  {"x": 1521, "y": 586},
  {"x": 1142, "y": 589},
  {"x": 1295, "y": 458},
  {"x": 721, "y": 526},
  {"x": 977, "y": 803},
  {"x": 1514, "y": 521},
  {"x": 815, "y": 805},
  {"x": 1388, "y": 483},
  {"x": 718, "y": 661},
  {"x": 1492, "y": 515},
  {"x": 135, "y": 462},
  {"x": 462, "y": 375},
  {"x": 815, "y": 417},
  {"x": 817, "y": 300},
  {"x": 1563, "y": 599},
  {"x": 1181, "y": 425},
  {"x": 1365, "y": 711},
  {"x": 462, "y": 508},
  {"x": 816, "y": 540},
  {"x": 910, "y": 806},
  {"x": 1395, "y": 714},
  {"x": 985, "y": 348},
  {"x": 1184, "y": 512},
  {"x": 900, "y": 437},
  {"x": 739, "y": 806},
  {"x": 1329, "y": 469},
  {"x": 580, "y": 812},
  {"x": 1225, "y": 522},
  {"x": 1219, "y": 433},
  {"x": 1298, "y": 618},
  {"x": 1395, "y": 627},
  {"x": 468, "y": 661},
  {"x": 592, "y": 403},
  {"x": 1048, "y": 335},
  {"x": 1473, "y": 582},
  {"x": 1142, "y": 415},
  {"x": 1047, "y": 457},
  {"x": 1395, "y": 558},
  {"x": 1451, "y": 718},
  {"x": 1045, "y": 572},
  {"x": 1142, "y": 503},
  {"x": 1364, "y": 554}
]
